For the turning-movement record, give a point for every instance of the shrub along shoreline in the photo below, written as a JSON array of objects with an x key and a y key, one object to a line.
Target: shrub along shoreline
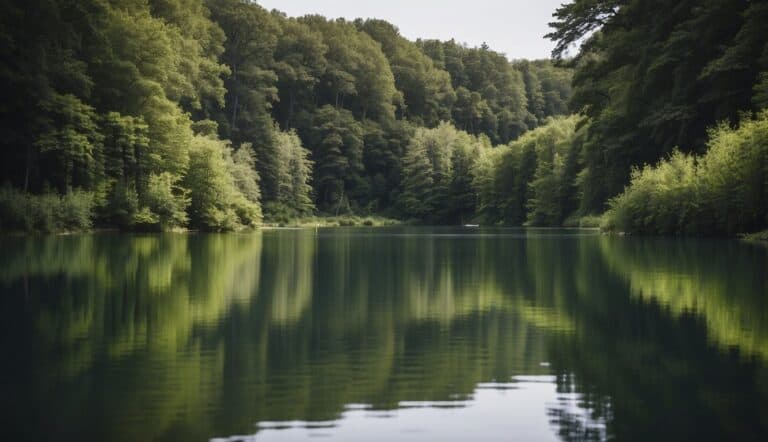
[
  {"x": 720, "y": 193},
  {"x": 74, "y": 212}
]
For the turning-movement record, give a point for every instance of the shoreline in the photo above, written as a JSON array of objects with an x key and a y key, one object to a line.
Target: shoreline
[
  {"x": 760, "y": 238},
  {"x": 297, "y": 223},
  {"x": 756, "y": 237}
]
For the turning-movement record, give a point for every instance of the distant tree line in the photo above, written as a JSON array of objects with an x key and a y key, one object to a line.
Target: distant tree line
[{"x": 216, "y": 114}]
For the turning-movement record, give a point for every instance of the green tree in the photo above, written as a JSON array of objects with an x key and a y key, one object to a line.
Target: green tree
[
  {"x": 417, "y": 197},
  {"x": 653, "y": 76},
  {"x": 166, "y": 203},
  {"x": 68, "y": 138},
  {"x": 294, "y": 196},
  {"x": 243, "y": 171},
  {"x": 300, "y": 64},
  {"x": 251, "y": 38},
  {"x": 358, "y": 75},
  {"x": 216, "y": 201},
  {"x": 548, "y": 191},
  {"x": 337, "y": 139},
  {"x": 438, "y": 171},
  {"x": 427, "y": 91}
]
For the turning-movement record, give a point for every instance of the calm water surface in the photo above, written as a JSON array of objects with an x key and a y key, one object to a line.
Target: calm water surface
[{"x": 383, "y": 334}]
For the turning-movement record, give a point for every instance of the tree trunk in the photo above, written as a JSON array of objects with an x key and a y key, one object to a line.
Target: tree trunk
[
  {"x": 124, "y": 155},
  {"x": 137, "y": 174},
  {"x": 338, "y": 203},
  {"x": 27, "y": 168},
  {"x": 234, "y": 116},
  {"x": 290, "y": 110},
  {"x": 233, "y": 123}
]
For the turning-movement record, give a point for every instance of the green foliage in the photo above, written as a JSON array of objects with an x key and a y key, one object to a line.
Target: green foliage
[
  {"x": 251, "y": 39},
  {"x": 427, "y": 92},
  {"x": 278, "y": 218},
  {"x": 45, "y": 213},
  {"x": 358, "y": 75},
  {"x": 760, "y": 100},
  {"x": 294, "y": 189},
  {"x": 242, "y": 169},
  {"x": 338, "y": 157},
  {"x": 107, "y": 87},
  {"x": 761, "y": 236},
  {"x": 74, "y": 211},
  {"x": 493, "y": 96},
  {"x": 488, "y": 185},
  {"x": 531, "y": 180},
  {"x": 416, "y": 199},
  {"x": 588, "y": 221},
  {"x": 351, "y": 117},
  {"x": 300, "y": 62},
  {"x": 107, "y": 97},
  {"x": 653, "y": 76},
  {"x": 216, "y": 201},
  {"x": 549, "y": 190},
  {"x": 547, "y": 90},
  {"x": 723, "y": 192},
  {"x": 437, "y": 174},
  {"x": 68, "y": 138},
  {"x": 166, "y": 203}
]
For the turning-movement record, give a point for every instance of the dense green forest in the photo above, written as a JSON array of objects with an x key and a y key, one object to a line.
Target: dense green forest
[{"x": 219, "y": 114}]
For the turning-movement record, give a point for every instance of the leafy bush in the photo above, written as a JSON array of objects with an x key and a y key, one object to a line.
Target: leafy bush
[
  {"x": 75, "y": 211},
  {"x": 721, "y": 193},
  {"x": 166, "y": 203},
  {"x": 45, "y": 213},
  {"x": 13, "y": 210},
  {"x": 279, "y": 213},
  {"x": 587, "y": 221},
  {"x": 122, "y": 205},
  {"x": 757, "y": 236},
  {"x": 659, "y": 199}
]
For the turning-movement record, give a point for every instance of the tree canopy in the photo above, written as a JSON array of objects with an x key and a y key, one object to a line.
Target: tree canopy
[{"x": 213, "y": 114}]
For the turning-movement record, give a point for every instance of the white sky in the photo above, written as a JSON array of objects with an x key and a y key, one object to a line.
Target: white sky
[{"x": 514, "y": 27}]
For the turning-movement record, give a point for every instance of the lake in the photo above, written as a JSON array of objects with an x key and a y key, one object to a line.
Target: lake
[{"x": 383, "y": 334}]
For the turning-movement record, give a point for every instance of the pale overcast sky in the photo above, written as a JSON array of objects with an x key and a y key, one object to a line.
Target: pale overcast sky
[{"x": 514, "y": 27}]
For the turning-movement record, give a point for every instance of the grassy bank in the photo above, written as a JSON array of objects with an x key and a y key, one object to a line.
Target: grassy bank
[
  {"x": 23, "y": 213},
  {"x": 757, "y": 236},
  {"x": 584, "y": 222},
  {"x": 333, "y": 221}
]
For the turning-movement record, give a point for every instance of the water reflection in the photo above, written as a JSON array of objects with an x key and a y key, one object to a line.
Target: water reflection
[{"x": 402, "y": 333}]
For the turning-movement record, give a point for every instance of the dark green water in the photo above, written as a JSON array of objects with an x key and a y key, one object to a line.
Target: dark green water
[{"x": 382, "y": 335}]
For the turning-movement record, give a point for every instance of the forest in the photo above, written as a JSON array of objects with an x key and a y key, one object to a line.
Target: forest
[{"x": 221, "y": 115}]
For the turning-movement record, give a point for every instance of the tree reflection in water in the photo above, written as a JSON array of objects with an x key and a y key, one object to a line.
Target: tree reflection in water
[{"x": 175, "y": 337}]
